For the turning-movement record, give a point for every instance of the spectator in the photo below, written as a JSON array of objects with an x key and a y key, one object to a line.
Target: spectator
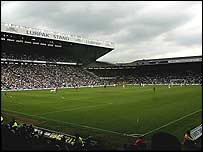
[
  {"x": 17, "y": 76},
  {"x": 164, "y": 141},
  {"x": 13, "y": 123},
  {"x": 78, "y": 143},
  {"x": 24, "y": 138},
  {"x": 2, "y": 120},
  {"x": 140, "y": 144}
]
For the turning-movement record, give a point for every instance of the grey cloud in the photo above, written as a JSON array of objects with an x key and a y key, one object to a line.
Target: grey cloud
[
  {"x": 189, "y": 40},
  {"x": 75, "y": 17},
  {"x": 150, "y": 26},
  {"x": 128, "y": 24}
]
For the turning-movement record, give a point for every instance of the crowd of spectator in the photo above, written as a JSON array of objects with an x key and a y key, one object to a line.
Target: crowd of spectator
[
  {"x": 29, "y": 76},
  {"x": 16, "y": 136},
  {"x": 151, "y": 77},
  {"x": 37, "y": 57},
  {"x": 165, "y": 78}
]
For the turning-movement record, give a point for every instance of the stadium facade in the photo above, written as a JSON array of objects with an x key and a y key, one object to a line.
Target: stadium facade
[
  {"x": 25, "y": 47},
  {"x": 38, "y": 59},
  {"x": 30, "y": 40}
]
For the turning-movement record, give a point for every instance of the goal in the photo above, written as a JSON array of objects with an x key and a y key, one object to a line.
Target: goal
[{"x": 177, "y": 82}]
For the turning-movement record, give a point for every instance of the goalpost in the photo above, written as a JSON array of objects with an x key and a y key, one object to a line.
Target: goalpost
[{"x": 177, "y": 82}]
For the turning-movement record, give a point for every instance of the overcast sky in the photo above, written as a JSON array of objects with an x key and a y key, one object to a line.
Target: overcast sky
[{"x": 140, "y": 30}]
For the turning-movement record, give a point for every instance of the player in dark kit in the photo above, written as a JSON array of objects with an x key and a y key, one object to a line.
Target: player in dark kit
[
  {"x": 6, "y": 94},
  {"x": 154, "y": 89}
]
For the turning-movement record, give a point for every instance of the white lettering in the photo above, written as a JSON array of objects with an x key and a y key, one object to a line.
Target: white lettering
[{"x": 37, "y": 33}]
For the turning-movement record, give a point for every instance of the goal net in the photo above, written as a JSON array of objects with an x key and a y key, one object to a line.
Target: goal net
[{"x": 177, "y": 81}]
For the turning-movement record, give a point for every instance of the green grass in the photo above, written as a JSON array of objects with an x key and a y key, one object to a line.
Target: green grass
[{"x": 108, "y": 113}]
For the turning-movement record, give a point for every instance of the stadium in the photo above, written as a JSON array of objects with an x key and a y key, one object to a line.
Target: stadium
[{"x": 55, "y": 95}]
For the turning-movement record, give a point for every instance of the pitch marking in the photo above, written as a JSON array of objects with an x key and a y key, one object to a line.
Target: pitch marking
[
  {"x": 104, "y": 130},
  {"x": 70, "y": 123},
  {"x": 83, "y": 107},
  {"x": 171, "y": 122}
]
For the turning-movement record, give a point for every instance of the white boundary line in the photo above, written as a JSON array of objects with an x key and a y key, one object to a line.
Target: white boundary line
[
  {"x": 133, "y": 135},
  {"x": 70, "y": 123},
  {"x": 96, "y": 86},
  {"x": 104, "y": 130},
  {"x": 72, "y": 109},
  {"x": 171, "y": 122}
]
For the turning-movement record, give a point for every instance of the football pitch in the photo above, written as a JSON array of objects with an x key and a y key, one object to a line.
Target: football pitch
[{"x": 109, "y": 113}]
